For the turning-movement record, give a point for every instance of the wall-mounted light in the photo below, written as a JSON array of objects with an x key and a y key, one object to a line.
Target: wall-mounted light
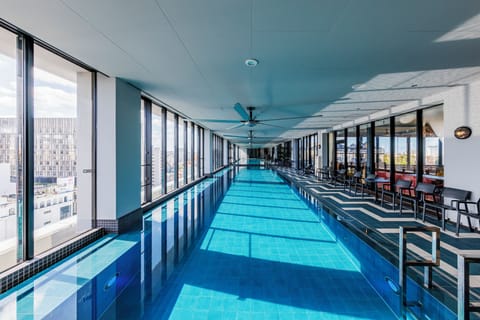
[{"x": 462, "y": 132}]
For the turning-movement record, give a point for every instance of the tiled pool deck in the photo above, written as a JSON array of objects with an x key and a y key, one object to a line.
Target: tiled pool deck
[{"x": 383, "y": 223}]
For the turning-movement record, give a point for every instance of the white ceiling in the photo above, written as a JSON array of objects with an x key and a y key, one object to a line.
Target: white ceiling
[{"x": 342, "y": 59}]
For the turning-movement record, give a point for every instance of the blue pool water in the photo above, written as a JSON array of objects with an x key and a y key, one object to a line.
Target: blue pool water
[
  {"x": 267, "y": 256},
  {"x": 247, "y": 249}
]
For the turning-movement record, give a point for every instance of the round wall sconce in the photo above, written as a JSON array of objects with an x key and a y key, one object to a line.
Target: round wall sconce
[{"x": 462, "y": 132}]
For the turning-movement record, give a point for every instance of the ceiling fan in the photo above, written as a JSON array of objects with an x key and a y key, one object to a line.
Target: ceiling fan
[{"x": 249, "y": 120}]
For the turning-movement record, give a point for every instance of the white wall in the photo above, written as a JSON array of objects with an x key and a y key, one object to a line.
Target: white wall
[
  {"x": 128, "y": 148},
  {"x": 118, "y": 149},
  {"x": 84, "y": 151},
  {"x": 106, "y": 145},
  {"x": 462, "y": 157}
]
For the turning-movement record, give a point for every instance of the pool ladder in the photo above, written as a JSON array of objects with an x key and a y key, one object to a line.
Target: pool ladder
[
  {"x": 463, "y": 297},
  {"x": 427, "y": 263}
]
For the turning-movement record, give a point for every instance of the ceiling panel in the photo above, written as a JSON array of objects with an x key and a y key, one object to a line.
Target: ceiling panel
[
  {"x": 296, "y": 15},
  {"x": 343, "y": 59}
]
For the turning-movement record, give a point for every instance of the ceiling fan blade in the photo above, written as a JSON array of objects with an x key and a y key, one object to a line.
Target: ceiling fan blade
[
  {"x": 241, "y": 111},
  {"x": 291, "y": 118},
  {"x": 215, "y": 120},
  {"x": 272, "y": 125},
  {"x": 234, "y": 136},
  {"x": 269, "y": 138},
  {"x": 314, "y": 128},
  {"x": 235, "y": 126}
]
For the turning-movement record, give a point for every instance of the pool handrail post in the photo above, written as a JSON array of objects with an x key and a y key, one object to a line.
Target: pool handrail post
[
  {"x": 463, "y": 286},
  {"x": 403, "y": 263}
]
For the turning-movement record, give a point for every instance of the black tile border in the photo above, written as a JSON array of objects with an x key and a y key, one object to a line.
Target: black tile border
[
  {"x": 129, "y": 222},
  {"x": 23, "y": 271}
]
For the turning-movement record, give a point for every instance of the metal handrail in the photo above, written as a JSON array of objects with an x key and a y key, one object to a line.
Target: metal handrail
[
  {"x": 427, "y": 263},
  {"x": 464, "y": 306}
]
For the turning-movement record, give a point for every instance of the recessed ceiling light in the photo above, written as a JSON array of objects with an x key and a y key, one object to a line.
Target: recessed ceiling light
[{"x": 251, "y": 62}]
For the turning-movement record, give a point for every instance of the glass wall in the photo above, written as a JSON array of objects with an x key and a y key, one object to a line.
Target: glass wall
[
  {"x": 171, "y": 136},
  {"x": 351, "y": 150},
  {"x": 433, "y": 136},
  {"x": 305, "y": 151},
  {"x": 217, "y": 152},
  {"x": 170, "y": 151},
  {"x": 53, "y": 98},
  {"x": 364, "y": 148},
  {"x": 62, "y": 143},
  {"x": 340, "y": 149},
  {"x": 313, "y": 149},
  {"x": 405, "y": 146},
  {"x": 382, "y": 148},
  {"x": 11, "y": 118},
  {"x": 143, "y": 160},
  {"x": 181, "y": 152},
  {"x": 196, "y": 152},
  {"x": 189, "y": 151},
  {"x": 157, "y": 151},
  {"x": 201, "y": 151}
]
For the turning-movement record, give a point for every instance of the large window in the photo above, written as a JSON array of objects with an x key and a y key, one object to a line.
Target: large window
[
  {"x": 217, "y": 151},
  {"x": 202, "y": 151},
  {"x": 364, "y": 149},
  {"x": 170, "y": 151},
  {"x": 351, "y": 149},
  {"x": 181, "y": 152},
  {"x": 196, "y": 152},
  {"x": 157, "y": 151},
  {"x": 340, "y": 149},
  {"x": 189, "y": 151},
  {"x": 300, "y": 153},
  {"x": 143, "y": 161},
  {"x": 405, "y": 146},
  {"x": 62, "y": 142},
  {"x": 433, "y": 144},
  {"x": 11, "y": 117},
  {"x": 313, "y": 149},
  {"x": 399, "y": 150},
  {"x": 51, "y": 166},
  {"x": 382, "y": 148},
  {"x": 177, "y": 148}
]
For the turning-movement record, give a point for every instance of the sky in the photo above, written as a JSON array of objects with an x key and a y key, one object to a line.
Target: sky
[{"x": 54, "y": 97}]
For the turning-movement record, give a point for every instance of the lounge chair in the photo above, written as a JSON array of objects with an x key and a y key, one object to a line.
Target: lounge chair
[
  {"x": 423, "y": 191},
  {"x": 455, "y": 195},
  {"x": 353, "y": 181},
  {"x": 399, "y": 189},
  {"x": 365, "y": 183}
]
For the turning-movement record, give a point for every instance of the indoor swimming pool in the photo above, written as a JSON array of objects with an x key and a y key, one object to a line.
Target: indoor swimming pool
[
  {"x": 267, "y": 256},
  {"x": 240, "y": 245}
]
